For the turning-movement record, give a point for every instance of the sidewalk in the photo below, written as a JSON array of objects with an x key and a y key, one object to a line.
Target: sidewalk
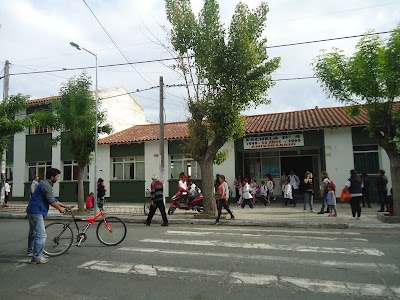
[{"x": 273, "y": 215}]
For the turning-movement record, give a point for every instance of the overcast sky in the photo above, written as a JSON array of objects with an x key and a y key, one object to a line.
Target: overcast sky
[{"x": 35, "y": 35}]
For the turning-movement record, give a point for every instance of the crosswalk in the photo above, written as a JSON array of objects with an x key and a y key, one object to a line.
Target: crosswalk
[{"x": 248, "y": 260}]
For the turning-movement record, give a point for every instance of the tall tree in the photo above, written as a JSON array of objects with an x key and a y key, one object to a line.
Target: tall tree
[
  {"x": 370, "y": 78},
  {"x": 11, "y": 123},
  {"x": 225, "y": 72},
  {"x": 74, "y": 115}
]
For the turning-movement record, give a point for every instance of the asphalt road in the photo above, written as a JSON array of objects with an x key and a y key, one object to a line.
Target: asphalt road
[{"x": 208, "y": 262}]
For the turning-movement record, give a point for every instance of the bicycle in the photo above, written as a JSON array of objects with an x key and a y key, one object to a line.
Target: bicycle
[{"x": 110, "y": 231}]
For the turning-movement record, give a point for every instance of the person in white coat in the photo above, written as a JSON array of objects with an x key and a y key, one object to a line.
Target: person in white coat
[{"x": 247, "y": 197}]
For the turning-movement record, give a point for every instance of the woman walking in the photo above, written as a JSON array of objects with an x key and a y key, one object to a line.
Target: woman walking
[
  {"x": 308, "y": 191},
  {"x": 223, "y": 192},
  {"x": 354, "y": 185},
  {"x": 247, "y": 199},
  {"x": 324, "y": 191}
]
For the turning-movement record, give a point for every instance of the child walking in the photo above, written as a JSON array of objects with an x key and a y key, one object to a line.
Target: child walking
[
  {"x": 331, "y": 201},
  {"x": 264, "y": 193},
  {"x": 287, "y": 192}
]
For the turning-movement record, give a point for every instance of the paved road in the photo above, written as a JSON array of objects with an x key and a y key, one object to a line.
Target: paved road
[{"x": 208, "y": 262}]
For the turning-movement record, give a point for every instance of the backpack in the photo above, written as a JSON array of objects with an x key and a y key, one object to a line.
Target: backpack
[{"x": 333, "y": 184}]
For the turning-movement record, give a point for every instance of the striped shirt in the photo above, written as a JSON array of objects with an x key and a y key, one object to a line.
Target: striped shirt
[{"x": 157, "y": 191}]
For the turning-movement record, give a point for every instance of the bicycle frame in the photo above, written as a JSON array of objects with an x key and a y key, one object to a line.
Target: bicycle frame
[{"x": 90, "y": 222}]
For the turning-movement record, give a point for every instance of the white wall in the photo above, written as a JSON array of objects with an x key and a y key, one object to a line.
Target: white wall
[
  {"x": 122, "y": 111},
  {"x": 152, "y": 163},
  {"x": 385, "y": 165},
  {"x": 20, "y": 169},
  {"x": 339, "y": 154},
  {"x": 56, "y": 162},
  {"x": 104, "y": 164},
  {"x": 227, "y": 168}
]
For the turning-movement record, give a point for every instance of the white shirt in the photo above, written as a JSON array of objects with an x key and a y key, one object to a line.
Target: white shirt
[
  {"x": 270, "y": 185},
  {"x": 183, "y": 185},
  {"x": 294, "y": 181},
  {"x": 7, "y": 187},
  {"x": 192, "y": 190},
  {"x": 287, "y": 191},
  {"x": 246, "y": 191}
]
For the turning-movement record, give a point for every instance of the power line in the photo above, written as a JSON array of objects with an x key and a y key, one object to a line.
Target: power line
[
  {"x": 174, "y": 58},
  {"x": 109, "y": 36}
]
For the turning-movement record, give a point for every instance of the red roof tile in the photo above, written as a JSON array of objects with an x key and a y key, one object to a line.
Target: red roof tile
[
  {"x": 310, "y": 119},
  {"x": 43, "y": 100}
]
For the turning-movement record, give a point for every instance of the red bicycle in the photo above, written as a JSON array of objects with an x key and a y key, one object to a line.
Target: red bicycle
[{"x": 110, "y": 231}]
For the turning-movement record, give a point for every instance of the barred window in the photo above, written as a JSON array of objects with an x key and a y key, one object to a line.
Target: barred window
[
  {"x": 40, "y": 130},
  {"x": 126, "y": 168},
  {"x": 38, "y": 169},
  {"x": 184, "y": 163}
]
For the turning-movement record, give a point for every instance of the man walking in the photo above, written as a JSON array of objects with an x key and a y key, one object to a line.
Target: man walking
[
  {"x": 157, "y": 199},
  {"x": 37, "y": 209},
  {"x": 381, "y": 184}
]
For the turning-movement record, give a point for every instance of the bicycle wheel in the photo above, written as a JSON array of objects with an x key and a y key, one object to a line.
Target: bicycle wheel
[
  {"x": 59, "y": 239},
  {"x": 111, "y": 231}
]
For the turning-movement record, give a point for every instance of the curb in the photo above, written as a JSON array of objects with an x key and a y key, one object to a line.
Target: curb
[{"x": 278, "y": 224}]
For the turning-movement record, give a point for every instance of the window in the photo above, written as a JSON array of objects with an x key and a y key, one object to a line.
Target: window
[
  {"x": 40, "y": 130},
  {"x": 9, "y": 172},
  {"x": 125, "y": 168},
  {"x": 184, "y": 163},
  {"x": 366, "y": 159},
  {"x": 38, "y": 169},
  {"x": 71, "y": 171}
]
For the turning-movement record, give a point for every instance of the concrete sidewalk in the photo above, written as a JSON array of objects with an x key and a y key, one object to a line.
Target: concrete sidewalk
[{"x": 273, "y": 215}]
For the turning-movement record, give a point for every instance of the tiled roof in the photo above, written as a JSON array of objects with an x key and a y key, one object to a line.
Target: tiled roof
[
  {"x": 309, "y": 119},
  {"x": 148, "y": 132},
  {"x": 43, "y": 100}
]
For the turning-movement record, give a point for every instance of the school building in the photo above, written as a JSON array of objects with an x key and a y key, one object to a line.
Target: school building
[{"x": 307, "y": 140}]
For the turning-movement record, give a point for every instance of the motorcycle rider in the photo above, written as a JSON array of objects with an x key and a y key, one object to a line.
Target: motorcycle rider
[{"x": 183, "y": 188}]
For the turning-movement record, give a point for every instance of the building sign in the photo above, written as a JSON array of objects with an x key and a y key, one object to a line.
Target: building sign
[{"x": 273, "y": 141}]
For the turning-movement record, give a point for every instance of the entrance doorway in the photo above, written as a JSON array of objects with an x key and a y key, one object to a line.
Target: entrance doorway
[{"x": 299, "y": 165}]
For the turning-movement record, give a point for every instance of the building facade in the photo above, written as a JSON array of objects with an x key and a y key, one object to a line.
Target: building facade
[{"x": 308, "y": 140}]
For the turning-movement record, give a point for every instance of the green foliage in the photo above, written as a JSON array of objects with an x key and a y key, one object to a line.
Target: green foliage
[
  {"x": 75, "y": 116},
  {"x": 370, "y": 78},
  {"x": 10, "y": 122},
  {"x": 226, "y": 71},
  {"x": 220, "y": 157}
]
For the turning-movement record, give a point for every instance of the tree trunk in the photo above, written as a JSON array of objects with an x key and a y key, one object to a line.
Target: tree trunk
[
  {"x": 81, "y": 202},
  {"x": 207, "y": 176},
  {"x": 395, "y": 173}
]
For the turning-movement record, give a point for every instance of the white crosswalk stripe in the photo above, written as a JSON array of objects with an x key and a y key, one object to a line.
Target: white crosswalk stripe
[
  {"x": 297, "y": 248},
  {"x": 313, "y": 285},
  {"x": 376, "y": 267},
  {"x": 212, "y": 233}
]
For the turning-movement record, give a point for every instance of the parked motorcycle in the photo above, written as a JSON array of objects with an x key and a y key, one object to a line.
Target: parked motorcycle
[{"x": 195, "y": 203}]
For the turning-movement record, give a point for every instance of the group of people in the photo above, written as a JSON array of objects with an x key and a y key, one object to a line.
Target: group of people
[{"x": 247, "y": 190}]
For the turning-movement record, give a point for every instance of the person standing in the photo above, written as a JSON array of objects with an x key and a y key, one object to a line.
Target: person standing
[
  {"x": 101, "y": 193},
  {"x": 365, "y": 190},
  {"x": 294, "y": 182},
  {"x": 264, "y": 193},
  {"x": 287, "y": 192},
  {"x": 270, "y": 187},
  {"x": 331, "y": 201},
  {"x": 247, "y": 199},
  {"x": 157, "y": 199},
  {"x": 237, "y": 184},
  {"x": 37, "y": 210},
  {"x": 34, "y": 184},
  {"x": 324, "y": 191},
  {"x": 7, "y": 191},
  {"x": 283, "y": 178},
  {"x": 381, "y": 184},
  {"x": 308, "y": 191},
  {"x": 354, "y": 185},
  {"x": 223, "y": 192}
]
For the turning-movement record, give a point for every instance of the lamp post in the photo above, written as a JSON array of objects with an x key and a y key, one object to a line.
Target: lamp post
[{"x": 96, "y": 127}]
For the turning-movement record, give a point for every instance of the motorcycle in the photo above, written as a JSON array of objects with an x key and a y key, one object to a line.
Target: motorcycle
[{"x": 195, "y": 202}]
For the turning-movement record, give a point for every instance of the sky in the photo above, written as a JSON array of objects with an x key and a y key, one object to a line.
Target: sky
[{"x": 35, "y": 35}]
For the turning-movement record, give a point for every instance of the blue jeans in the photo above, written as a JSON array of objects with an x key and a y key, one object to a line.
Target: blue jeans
[
  {"x": 37, "y": 235},
  {"x": 308, "y": 198}
]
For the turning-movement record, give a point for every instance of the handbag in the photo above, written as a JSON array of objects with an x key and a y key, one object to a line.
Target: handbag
[{"x": 345, "y": 196}]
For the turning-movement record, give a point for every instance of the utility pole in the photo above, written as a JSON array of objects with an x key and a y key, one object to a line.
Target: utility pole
[
  {"x": 161, "y": 129},
  {"x": 6, "y": 84}
]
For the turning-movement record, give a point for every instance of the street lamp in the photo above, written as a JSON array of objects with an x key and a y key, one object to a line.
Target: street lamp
[{"x": 96, "y": 127}]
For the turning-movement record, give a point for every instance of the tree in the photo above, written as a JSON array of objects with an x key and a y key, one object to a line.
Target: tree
[
  {"x": 75, "y": 117},
  {"x": 370, "y": 80},
  {"x": 225, "y": 72},
  {"x": 10, "y": 124}
]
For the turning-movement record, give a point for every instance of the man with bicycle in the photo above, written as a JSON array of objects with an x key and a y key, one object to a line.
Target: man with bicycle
[{"x": 37, "y": 209}]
